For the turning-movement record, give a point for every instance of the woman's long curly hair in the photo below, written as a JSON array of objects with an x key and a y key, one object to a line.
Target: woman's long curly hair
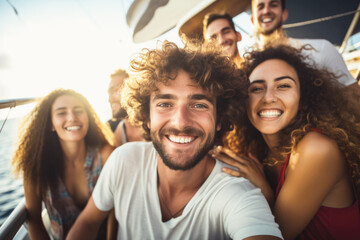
[
  {"x": 215, "y": 73},
  {"x": 323, "y": 106},
  {"x": 39, "y": 156}
]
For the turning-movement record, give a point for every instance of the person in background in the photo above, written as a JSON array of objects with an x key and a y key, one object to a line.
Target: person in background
[
  {"x": 220, "y": 28},
  {"x": 268, "y": 17},
  {"x": 123, "y": 131},
  {"x": 118, "y": 113},
  {"x": 170, "y": 188},
  {"x": 306, "y": 134},
  {"x": 127, "y": 132},
  {"x": 62, "y": 149}
]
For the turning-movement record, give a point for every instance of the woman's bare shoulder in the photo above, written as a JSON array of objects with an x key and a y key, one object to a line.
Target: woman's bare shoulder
[
  {"x": 318, "y": 150},
  {"x": 106, "y": 151}
]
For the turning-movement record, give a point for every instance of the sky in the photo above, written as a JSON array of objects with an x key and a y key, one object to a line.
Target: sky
[
  {"x": 77, "y": 44},
  {"x": 64, "y": 43}
]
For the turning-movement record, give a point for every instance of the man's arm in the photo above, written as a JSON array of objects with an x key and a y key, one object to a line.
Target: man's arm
[
  {"x": 87, "y": 224},
  {"x": 112, "y": 226},
  {"x": 334, "y": 62}
]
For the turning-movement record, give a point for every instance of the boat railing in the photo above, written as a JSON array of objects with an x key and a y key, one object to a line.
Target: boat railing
[
  {"x": 11, "y": 103},
  {"x": 13, "y": 227}
]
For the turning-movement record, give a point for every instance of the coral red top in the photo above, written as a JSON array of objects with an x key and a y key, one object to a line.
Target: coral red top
[{"x": 328, "y": 223}]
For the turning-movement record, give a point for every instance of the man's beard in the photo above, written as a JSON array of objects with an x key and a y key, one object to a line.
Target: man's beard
[
  {"x": 270, "y": 32},
  {"x": 190, "y": 163},
  {"x": 234, "y": 53},
  {"x": 121, "y": 114}
]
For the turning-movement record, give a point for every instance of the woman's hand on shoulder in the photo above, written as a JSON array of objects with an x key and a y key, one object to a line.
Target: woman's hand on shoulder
[{"x": 248, "y": 167}]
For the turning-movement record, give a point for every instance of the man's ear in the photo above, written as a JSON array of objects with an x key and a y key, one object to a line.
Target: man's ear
[
  {"x": 285, "y": 15},
  {"x": 252, "y": 18},
  {"x": 238, "y": 36}
]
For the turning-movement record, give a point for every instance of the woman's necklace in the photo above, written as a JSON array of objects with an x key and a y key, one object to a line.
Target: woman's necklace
[{"x": 167, "y": 208}]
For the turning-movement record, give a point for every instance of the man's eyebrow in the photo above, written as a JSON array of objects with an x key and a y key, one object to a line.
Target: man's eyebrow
[
  {"x": 163, "y": 96},
  {"x": 274, "y": 1},
  {"x": 260, "y": 5},
  {"x": 226, "y": 28},
  {"x": 192, "y": 97},
  {"x": 202, "y": 97}
]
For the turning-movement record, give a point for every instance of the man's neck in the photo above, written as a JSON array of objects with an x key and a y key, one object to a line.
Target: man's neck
[
  {"x": 278, "y": 37},
  {"x": 176, "y": 181},
  {"x": 176, "y": 188}
]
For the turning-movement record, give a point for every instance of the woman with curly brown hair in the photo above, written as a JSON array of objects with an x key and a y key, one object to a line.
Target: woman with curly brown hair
[
  {"x": 62, "y": 149},
  {"x": 301, "y": 128}
]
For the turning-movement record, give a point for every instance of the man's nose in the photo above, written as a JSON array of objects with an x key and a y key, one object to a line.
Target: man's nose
[
  {"x": 114, "y": 97},
  {"x": 221, "y": 39},
  {"x": 181, "y": 117},
  {"x": 266, "y": 9}
]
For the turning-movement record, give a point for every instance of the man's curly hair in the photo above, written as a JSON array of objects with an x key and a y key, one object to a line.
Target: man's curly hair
[
  {"x": 323, "y": 106},
  {"x": 215, "y": 73}
]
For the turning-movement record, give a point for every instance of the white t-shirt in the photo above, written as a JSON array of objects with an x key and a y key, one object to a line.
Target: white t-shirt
[
  {"x": 326, "y": 56},
  {"x": 224, "y": 207}
]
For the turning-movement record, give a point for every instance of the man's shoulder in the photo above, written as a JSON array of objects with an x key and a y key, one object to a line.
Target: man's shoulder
[
  {"x": 133, "y": 150},
  {"x": 135, "y": 147},
  {"x": 229, "y": 193},
  {"x": 230, "y": 184},
  {"x": 315, "y": 43},
  {"x": 131, "y": 146}
]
